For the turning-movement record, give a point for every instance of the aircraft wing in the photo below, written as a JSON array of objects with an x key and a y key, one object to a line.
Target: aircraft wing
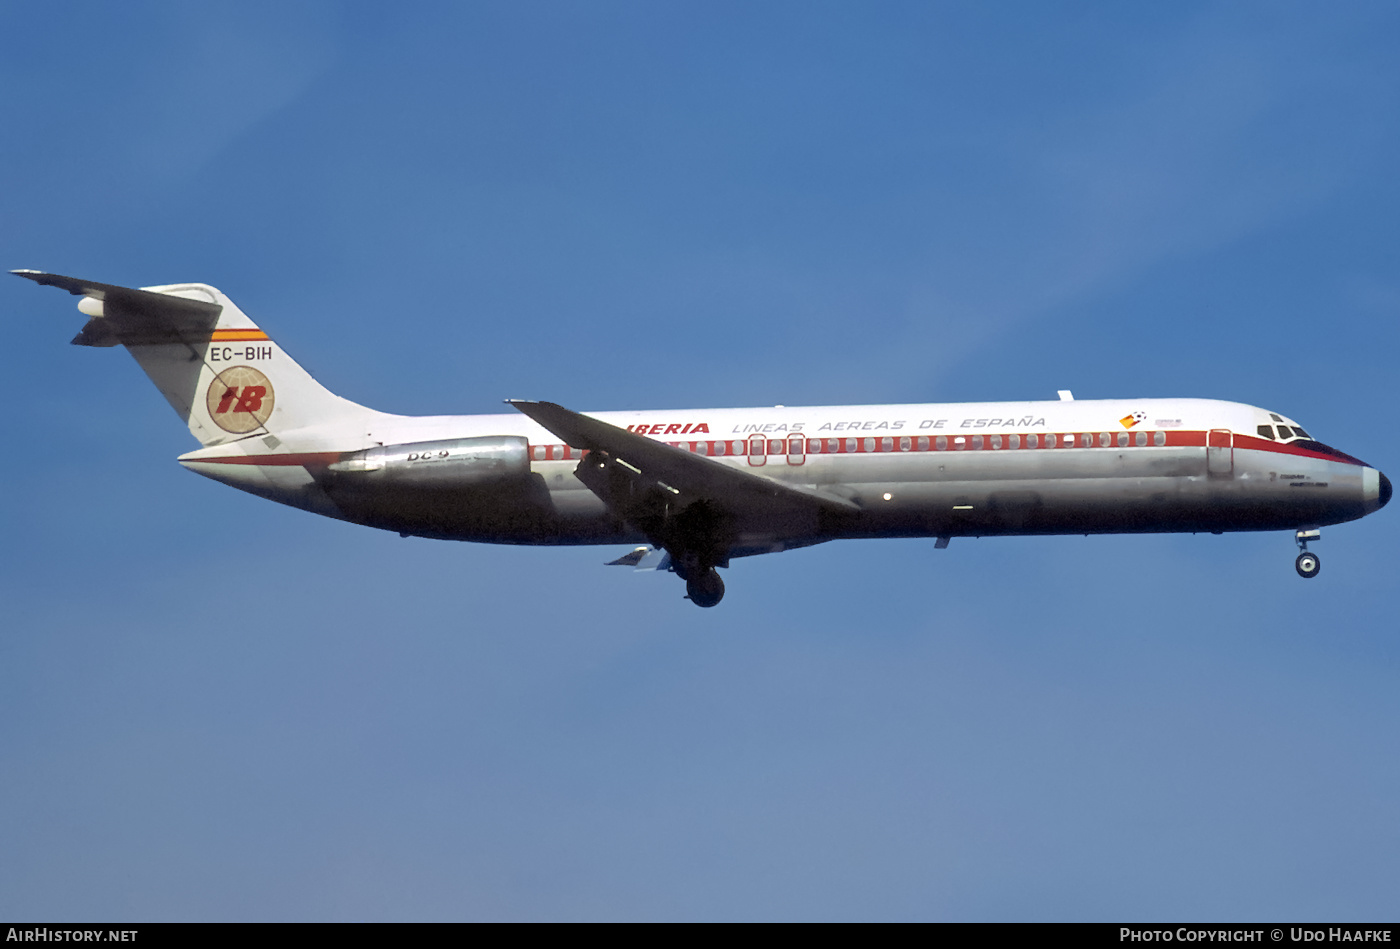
[
  {"x": 680, "y": 470},
  {"x": 130, "y": 316}
]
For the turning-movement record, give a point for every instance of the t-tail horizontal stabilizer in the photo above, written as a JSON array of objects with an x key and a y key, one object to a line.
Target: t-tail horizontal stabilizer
[{"x": 132, "y": 317}]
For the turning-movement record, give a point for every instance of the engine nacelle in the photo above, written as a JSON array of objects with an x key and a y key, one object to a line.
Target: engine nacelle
[{"x": 447, "y": 464}]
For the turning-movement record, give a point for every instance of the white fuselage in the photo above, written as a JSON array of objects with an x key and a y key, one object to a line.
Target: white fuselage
[{"x": 1088, "y": 466}]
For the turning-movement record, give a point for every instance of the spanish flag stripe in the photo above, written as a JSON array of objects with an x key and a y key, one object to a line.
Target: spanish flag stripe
[{"x": 231, "y": 336}]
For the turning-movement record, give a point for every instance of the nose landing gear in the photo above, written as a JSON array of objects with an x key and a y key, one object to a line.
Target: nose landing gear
[{"x": 1308, "y": 564}]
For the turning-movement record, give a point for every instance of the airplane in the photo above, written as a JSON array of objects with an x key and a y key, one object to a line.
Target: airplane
[{"x": 698, "y": 488}]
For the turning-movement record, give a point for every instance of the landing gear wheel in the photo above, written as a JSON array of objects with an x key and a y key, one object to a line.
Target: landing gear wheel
[
  {"x": 1307, "y": 565},
  {"x": 706, "y": 589}
]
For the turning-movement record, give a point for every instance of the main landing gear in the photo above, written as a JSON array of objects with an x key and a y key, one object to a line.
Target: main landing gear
[
  {"x": 705, "y": 589},
  {"x": 703, "y": 585},
  {"x": 1308, "y": 564}
]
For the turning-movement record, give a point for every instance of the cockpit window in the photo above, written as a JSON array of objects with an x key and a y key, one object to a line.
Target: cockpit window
[
  {"x": 1285, "y": 432},
  {"x": 1300, "y": 433},
  {"x": 1266, "y": 431},
  {"x": 1276, "y": 418}
]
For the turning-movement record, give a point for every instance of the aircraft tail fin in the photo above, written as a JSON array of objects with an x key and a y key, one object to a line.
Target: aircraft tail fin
[{"x": 215, "y": 367}]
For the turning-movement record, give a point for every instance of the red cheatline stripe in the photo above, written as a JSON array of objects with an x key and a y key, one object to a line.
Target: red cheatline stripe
[
  {"x": 235, "y": 336},
  {"x": 1293, "y": 448},
  {"x": 895, "y": 444},
  {"x": 739, "y": 448}
]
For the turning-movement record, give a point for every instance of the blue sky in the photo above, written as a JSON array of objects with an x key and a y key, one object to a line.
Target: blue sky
[{"x": 216, "y": 708}]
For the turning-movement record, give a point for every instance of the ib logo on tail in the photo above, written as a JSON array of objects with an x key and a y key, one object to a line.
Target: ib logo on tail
[{"x": 240, "y": 399}]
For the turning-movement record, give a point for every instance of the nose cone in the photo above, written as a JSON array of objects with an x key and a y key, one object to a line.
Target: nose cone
[{"x": 1375, "y": 489}]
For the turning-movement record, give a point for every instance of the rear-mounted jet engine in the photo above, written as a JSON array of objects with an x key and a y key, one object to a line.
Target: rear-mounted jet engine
[{"x": 449, "y": 464}]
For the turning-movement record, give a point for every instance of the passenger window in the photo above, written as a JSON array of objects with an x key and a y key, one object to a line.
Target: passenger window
[
  {"x": 959, "y": 443},
  {"x": 977, "y": 442},
  {"x": 1122, "y": 439},
  {"x": 996, "y": 442},
  {"x": 887, "y": 444},
  {"x": 1032, "y": 441},
  {"x": 923, "y": 443},
  {"x": 833, "y": 445},
  {"x": 870, "y": 444},
  {"x": 702, "y": 447},
  {"x": 904, "y": 443},
  {"x": 719, "y": 447},
  {"x": 941, "y": 443},
  {"x": 1159, "y": 438},
  {"x": 1086, "y": 440},
  {"x": 1266, "y": 431},
  {"x": 1141, "y": 439},
  {"x": 1049, "y": 441},
  {"x": 850, "y": 444},
  {"x": 1013, "y": 441},
  {"x": 1105, "y": 440},
  {"x": 537, "y": 453}
]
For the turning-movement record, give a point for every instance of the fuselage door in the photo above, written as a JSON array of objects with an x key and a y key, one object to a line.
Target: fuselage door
[
  {"x": 758, "y": 450},
  {"x": 796, "y": 450},
  {"x": 1220, "y": 453}
]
